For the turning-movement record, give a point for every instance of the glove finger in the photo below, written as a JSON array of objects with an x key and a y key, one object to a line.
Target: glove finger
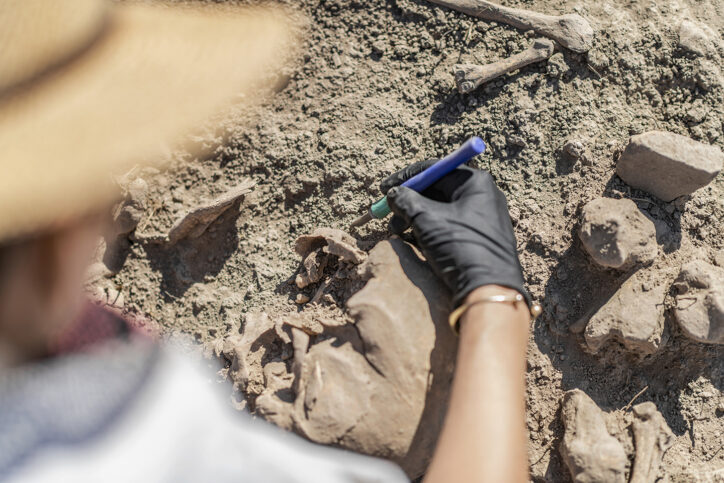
[
  {"x": 397, "y": 225},
  {"x": 451, "y": 186},
  {"x": 404, "y": 174},
  {"x": 407, "y": 204}
]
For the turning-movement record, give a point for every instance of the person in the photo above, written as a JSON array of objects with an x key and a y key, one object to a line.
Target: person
[{"x": 88, "y": 87}]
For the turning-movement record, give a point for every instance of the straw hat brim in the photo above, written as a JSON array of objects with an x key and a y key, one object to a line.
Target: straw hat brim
[{"x": 154, "y": 74}]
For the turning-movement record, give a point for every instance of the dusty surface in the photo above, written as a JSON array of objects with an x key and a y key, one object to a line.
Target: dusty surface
[{"x": 373, "y": 92}]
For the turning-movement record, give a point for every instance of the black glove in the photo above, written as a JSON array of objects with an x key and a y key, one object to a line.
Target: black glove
[{"x": 463, "y": 228}]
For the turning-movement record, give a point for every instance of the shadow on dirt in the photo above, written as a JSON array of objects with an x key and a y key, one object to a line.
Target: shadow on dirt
[
  {"x": 661, "y": 377},
  {"x": 666, "y": 216},
  {"x": 191, "y": 260}
]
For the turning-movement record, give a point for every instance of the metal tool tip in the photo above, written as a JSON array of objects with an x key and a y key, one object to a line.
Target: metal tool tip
[{"x": 361, "y": 220}]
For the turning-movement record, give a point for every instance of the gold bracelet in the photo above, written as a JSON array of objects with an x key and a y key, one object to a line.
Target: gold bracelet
[{"x": 454, "y": 319}]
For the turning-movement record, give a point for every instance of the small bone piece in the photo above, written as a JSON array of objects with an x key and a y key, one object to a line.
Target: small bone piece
[
  {"x": 469, "y": 77},
  {"x": 194, "y": 223},
  {"x": 653, "y": 438},
  {"x": 590, "y": 452},
  {"x": 332, "y": 241},
  {"x": 571, "y": 31}
]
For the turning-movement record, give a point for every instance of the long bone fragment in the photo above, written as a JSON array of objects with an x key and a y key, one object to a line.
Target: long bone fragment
[
  {"x": 653, "y": 438},
  {"x": 571, "y": 30},
  {"x": 469, "y": 77}
]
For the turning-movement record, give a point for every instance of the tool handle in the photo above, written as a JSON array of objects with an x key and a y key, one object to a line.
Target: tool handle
[{"x": 421, "y": 181}]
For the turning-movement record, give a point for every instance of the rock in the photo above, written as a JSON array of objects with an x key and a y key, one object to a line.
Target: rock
[
  {"x": 634, "y": 315},
  {"x": 301, "y": 298},
  {"x": 574, "y": 148},
  {"x": 696, "y": 38},
  {"x": 700, "y": 302},
  {"x": 356, "y": 386},
  {"x": 652, "y": 437},
  {"x": 129, "y": 212},
  {"x": 332, "y": 241},
  {"x": 616, "y": 234},
  {"x": 668, "y": 165},
  {"x": 194, "y": 223},
  {"x": 591, "y": 454}
]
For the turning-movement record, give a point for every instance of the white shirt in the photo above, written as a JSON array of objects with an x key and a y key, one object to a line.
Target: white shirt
[{"x": 157, "y": 418}]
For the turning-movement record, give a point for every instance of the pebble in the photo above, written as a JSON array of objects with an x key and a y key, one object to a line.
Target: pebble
[{"x": 301, "y": 299}]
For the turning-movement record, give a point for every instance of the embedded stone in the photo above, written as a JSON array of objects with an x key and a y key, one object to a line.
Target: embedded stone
[
  {"x": 617, "y": 235},
  {"x": 668, "y": 165}
]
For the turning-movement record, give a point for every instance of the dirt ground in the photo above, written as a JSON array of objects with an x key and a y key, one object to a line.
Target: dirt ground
[{"x": 372, "y": 92}]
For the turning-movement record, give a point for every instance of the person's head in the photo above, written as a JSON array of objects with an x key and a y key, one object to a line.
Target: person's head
[{"x": 88, "y": 89}]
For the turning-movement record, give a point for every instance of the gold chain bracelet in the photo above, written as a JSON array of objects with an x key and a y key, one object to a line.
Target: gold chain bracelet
[{"x": 454, "y": 319}]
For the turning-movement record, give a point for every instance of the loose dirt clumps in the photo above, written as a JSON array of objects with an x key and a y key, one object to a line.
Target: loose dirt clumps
[{"x": 617, "y": 235}]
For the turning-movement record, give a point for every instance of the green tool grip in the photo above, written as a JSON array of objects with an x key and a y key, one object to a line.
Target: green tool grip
[{"x": 380, "y": 208}]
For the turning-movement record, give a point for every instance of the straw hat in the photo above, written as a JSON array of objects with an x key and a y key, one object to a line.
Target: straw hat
[{"x": 89, "y": 87}]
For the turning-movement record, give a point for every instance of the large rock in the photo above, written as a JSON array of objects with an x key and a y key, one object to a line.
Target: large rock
[
  {"x": 378, "y": 385},
  {"x": 700, "y": 302},
  {"x": 668, "y": 165},
  {"x": 590, "y": 452},
  {"x": 634, "y": 315},
  {"x": 616, "y": 234}
]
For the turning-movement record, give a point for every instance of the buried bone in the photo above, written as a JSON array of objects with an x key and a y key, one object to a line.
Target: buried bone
[
  {"x": 469, "y": 77},
  {"x": 653, "y": 438},
  {"x": 590, "y": 452},
  {"x": 571, "y": 31}
]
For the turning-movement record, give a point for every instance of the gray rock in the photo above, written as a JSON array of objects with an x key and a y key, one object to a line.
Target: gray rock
[
  {"x": 634, "y": 315},
  {"x": 668, "y": 165},
  {"x": 590, "y": 452},
  {"x": 700, "y": 302},
  {"x": 616, "y": 234}
]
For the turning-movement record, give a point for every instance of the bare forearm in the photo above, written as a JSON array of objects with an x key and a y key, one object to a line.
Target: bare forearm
[{"x": 484, "y": 438}]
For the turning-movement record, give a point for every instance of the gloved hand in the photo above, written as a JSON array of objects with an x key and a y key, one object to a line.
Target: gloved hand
[{"x": 462, "y": 226}]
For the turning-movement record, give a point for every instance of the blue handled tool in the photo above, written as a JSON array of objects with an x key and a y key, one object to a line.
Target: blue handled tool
[{"x": 421, "y": 181}]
